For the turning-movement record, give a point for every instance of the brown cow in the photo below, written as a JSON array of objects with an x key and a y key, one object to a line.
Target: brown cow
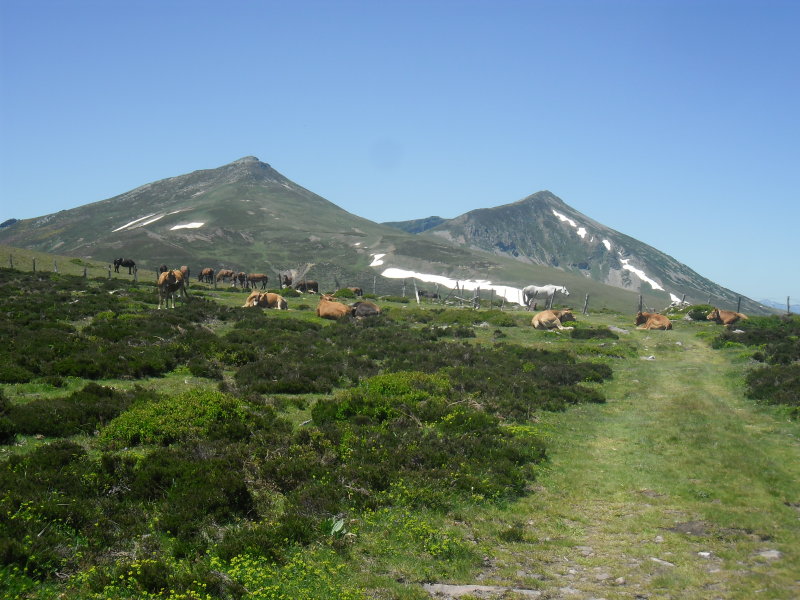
[
  {"x": 266, "y": 300},
  {"x": 170, "y": 283},
  {"x": 307, "y": 285},
  {"x": 646, "y": 320},
  {"x": 225, "y": 274},
  {"x": 206, "y": 275},
  {"x": 364, "y": 309},
  {"x": 725, "y": 317},
  {"x": 254, "y": 278},
  {"x": 328, "y": 308},
  {"x": 552, "y": 319}
]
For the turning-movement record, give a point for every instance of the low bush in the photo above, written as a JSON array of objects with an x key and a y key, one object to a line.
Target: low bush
[
  {"x": 698, "y": 312},
  {"x": 592, "y": 333},
  {"x": 776, "y": 384}
]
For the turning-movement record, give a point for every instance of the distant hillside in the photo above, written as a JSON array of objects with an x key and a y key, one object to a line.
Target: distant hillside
[{"x": 416, "y": 225}]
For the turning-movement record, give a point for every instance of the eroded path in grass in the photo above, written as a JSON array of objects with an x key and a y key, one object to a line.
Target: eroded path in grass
[{"x": 676, "y": 488}]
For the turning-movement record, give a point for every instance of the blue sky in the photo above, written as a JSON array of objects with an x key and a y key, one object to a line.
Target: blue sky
[{"x": 677, "y": 123}]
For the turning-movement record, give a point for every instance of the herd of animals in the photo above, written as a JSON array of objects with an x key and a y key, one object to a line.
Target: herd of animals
[{"x": 173, "y": 282}]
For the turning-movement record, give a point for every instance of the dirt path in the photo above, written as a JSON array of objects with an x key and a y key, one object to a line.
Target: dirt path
[{"x": 676, "y": 488}]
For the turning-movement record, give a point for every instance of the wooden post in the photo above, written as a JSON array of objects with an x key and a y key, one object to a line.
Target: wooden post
[
  {"x": 404, "y": 288},
  {"x": 709, "y": 299},
  {"x": 437, "y": 292},
  {"x": 640, "y": 303},
  {"x": 136, "y": 274},
  {"x": 55, "y": 266},
  {"x": 491, "y": 300},
  {"x": 476, "y": 299},
  {"x": 586, "y": 304},
  {"x": 788, "y": 307},
  {"x": 11, "y": 261},
  {"x": 374, "y": 282},
  {"x": 85, "y": 272},
  {"x": 416, "y": 291},
  {"x": 109, "y": 271},
  {"x": 34, "y": 265},
  {"x": 739, "y": 304},
  {"x": 683, "y": 299}
]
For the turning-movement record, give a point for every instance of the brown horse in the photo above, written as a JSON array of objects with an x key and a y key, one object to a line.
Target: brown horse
[
  {"x": 206, "y": 275},
  {"x": 170, "y": 284}
]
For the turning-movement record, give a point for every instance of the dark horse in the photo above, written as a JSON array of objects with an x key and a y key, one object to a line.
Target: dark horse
[{"x": 124, "y": 262}]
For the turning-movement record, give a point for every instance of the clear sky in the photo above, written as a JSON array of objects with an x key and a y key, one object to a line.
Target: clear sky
[{"x": 675, "y": 122}]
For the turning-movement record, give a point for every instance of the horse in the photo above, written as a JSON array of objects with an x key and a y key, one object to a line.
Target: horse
[
  {"x": 254, "y": 278},
  {"x": 185, "y": 272},
  {"x": 225, "y": 274},
  {"x": 308, "y": 286},
  {"x": 532, "y": 291},
  {"x": 170, "y": 284},
  {"x": 206, "y": 275},
  {"x": 124, "y": 262}
]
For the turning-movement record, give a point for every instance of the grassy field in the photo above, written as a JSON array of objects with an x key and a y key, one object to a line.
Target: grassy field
[{"x": 676, "y": 487}]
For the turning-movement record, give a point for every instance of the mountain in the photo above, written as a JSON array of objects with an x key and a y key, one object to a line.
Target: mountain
[
  {"x": 794, "y": 308},
  {"x": 543, "y": 230},
  {"x": 247, "y": 216}
]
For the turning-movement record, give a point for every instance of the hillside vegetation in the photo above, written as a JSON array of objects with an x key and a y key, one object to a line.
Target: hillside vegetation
[{"x": 213, "y": 451}]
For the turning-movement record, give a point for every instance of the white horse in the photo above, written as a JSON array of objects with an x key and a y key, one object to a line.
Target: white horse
[{"x": 529, "y": 293}]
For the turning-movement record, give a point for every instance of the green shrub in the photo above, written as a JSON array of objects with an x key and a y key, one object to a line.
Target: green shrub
[
  {"x": 776, "y": 384},
  {"x": 192, "y": 415},
  {"x": 698, "y": 312},
  {"x": 591, "y": 333}
]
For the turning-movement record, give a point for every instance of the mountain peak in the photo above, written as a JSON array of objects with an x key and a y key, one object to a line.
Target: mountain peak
[{"x": 246, "y": 160}]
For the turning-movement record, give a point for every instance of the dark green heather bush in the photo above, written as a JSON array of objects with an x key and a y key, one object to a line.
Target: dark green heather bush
[
  {"x": 776, "y": 384},
  {"x": 591, "y": 333},
  {"x": 777, "y": 337},
  {"x": 698, "y": 312},
  {"x": 83, "y": 411}
]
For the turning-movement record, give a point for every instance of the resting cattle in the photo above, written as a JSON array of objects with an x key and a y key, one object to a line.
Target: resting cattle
[
  {"x": 254, "y": 278},
  {"x": 225, "y": 274},
  {"x": 124, "y": 262},
  {"x": 170, "y": 283},
  {"x": 646, "y": 320},
  {"x": 206, "y": 275},
  {"x": 266, "y": 300},
  {"x": 364, "y": 309},
  {"x": 328, "y": 308},
  {"x": 725, "y": 317},
  {"x": 552, "y": 319},
  {"x": 307, "y": 285}
]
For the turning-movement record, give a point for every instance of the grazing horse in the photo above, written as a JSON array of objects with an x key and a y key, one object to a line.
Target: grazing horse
[
  {"x": 185, "y": 273},
  {"x": 163, "y": 269},
  {"x": 328, "y": 308},
  {"x": 124, "y": 262},
  {"x": 546, "y": 291},
  {"x": 725, "y": 317},
  {"x": 646, "y": 320},
  {"x": 206, "y": 275},
  {"x": 241, "y": 277},
  {"x": 225, "y": 274},
  {"x": 170, "y": 283},
  {"x": 552, "y": 319},
  {"x": 254, "y": 278},
  {"x": 307, "y": 285}
]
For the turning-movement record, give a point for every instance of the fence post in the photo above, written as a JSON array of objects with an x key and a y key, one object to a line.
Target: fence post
[
  {"x": 34, "y": 265},
  {"x": 416, "y": 291},
  {"x": 640, "y": 303},
  {"x": 404, "y": 288},
  {"x": 739, "y": 304},
  {"x": 85, "y": 272},
  {"x": 374, "y": 282},
  {"x": 55, "y": 266},
  {"x": 788, "y": 307},
  {"x": 136, "y": 274},
  {"x": 11, "y": 260},
  {"x": 109, "y": 271},
  {"x": 586, "y": 304}
]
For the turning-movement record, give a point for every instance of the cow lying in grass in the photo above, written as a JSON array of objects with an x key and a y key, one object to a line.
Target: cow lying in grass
[
  {"x": 266, "y": 300},
  {"x": 725, "y": 317},
  {"x": 364, "y": 309},
  {"x": 328, "y": 308},
  {"x": 646, "y": 320},
  {"x": 170, "y": 283},
  {"x": 552, "y": 319}
]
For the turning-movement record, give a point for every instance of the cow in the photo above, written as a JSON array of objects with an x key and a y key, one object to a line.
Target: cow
[
  {"x": 266, "y": 300},
  {"x": 254, "y": 278},
  {"x": 206, "y": 275},
  {"x": 124, "y": 262},
  {"x": 328, "y": 308},
  {"x": 225, "y": 274},
  {"x": 364, "y": 309},
  {"x": 170, "y": 283},
  {"x": 725, "y": 317},
  {"x": 646, "y": 320},
  {"x": 307, "y": 285},
  {"x": 552, "y": 319}
]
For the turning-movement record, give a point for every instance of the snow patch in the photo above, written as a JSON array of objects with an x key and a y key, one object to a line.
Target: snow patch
[
  {"x": 582, "y": 232},
  {"x": 641, "y": 275},
  {"x": 153, "y": 220},
  {"x": 376, "y": 260},
  {"x": 607, "y": 244},
  {"x": 512, "y": 294},
  {"x": 563, "y": 218},
  {"x": 132, "y": 222},
  {"x": 187, "y": 226}
]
